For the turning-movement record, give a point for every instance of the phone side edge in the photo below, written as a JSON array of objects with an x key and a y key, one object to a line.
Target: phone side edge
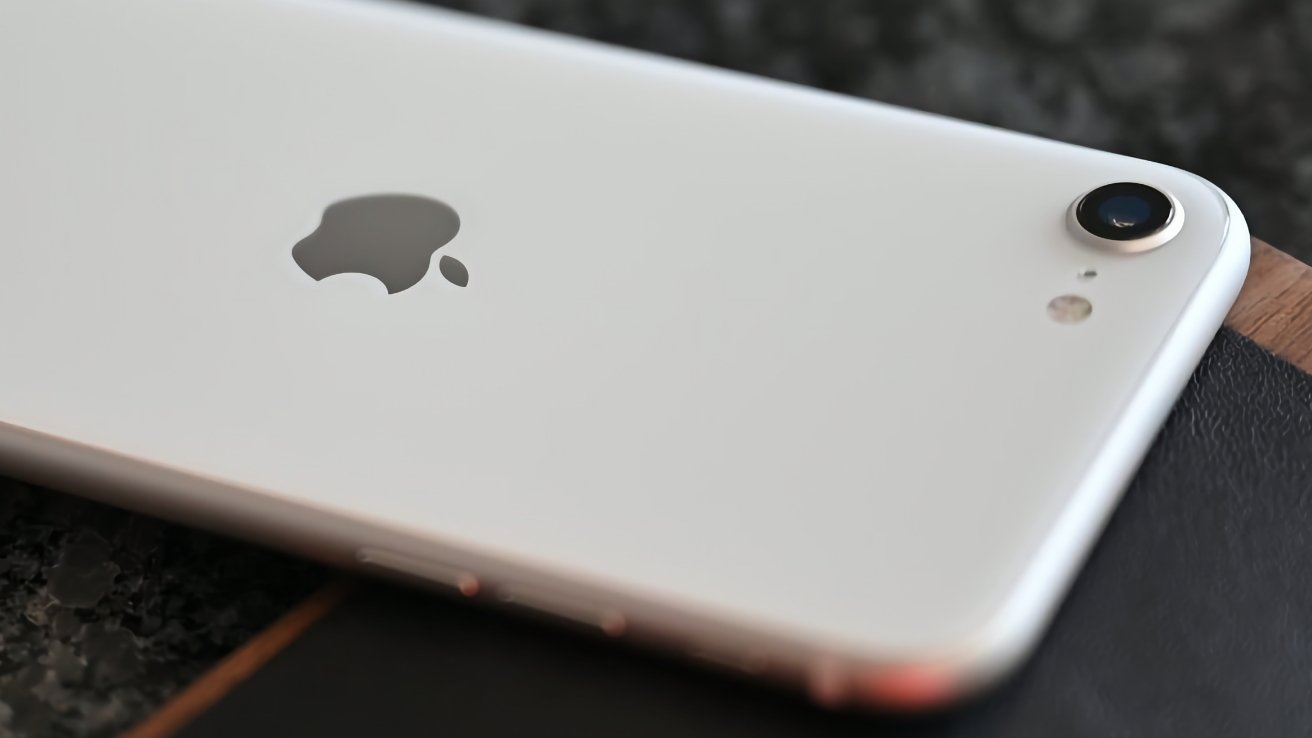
[{"x": 1001, "y": 644}]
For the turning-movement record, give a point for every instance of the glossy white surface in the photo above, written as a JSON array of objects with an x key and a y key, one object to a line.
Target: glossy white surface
[{"x": 773, "y": 358}]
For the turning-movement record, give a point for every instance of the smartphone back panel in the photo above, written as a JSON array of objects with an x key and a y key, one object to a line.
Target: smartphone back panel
[{"x": 737, "y": 358}]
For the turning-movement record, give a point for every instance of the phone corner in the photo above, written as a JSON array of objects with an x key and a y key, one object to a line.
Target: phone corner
[
  {"x": 932, "y": 682},
  {"x": 1235, "y": 244},
  {"x": 1233, "y": 258}
]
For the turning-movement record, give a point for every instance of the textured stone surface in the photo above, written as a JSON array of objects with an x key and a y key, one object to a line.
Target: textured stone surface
[{"x": 103, "y": 614}]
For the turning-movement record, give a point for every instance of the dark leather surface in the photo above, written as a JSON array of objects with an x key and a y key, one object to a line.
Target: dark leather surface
[{"x": 1193, "y": 617}]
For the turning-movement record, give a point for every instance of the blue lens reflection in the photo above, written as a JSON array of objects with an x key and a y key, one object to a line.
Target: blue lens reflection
[{"x": 1125, "y": 211}]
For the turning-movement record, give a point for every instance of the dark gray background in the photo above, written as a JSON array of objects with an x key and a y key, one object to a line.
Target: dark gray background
[{"x": 103, "y": 613}]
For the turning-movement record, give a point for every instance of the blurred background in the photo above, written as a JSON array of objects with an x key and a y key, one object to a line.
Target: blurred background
[
  {"x": 1222, "y": 88},
  {"x": 103, "y": 614}
]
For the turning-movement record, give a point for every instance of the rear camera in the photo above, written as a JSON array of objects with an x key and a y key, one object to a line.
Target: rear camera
[{"x": 1127, "y": 216}]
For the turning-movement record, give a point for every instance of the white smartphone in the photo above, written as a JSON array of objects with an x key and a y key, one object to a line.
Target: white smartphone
[{"x": 831, "y": 393}]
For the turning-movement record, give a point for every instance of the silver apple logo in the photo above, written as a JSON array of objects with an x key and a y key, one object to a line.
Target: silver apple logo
[{"x": 391, "y": 238}]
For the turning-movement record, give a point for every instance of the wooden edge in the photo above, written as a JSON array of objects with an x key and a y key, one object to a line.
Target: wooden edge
[
  {"x": 1275, "y": 306},
  {"x": 1274, "y": 309},
  {"x": 214, "y": 684}
]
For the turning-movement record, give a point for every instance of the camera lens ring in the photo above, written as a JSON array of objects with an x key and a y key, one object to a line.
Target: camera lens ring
[{"x": 1125, "y": 217}]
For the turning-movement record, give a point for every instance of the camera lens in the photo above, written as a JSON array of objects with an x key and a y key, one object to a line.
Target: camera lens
[{"x": 1124, "y": 211}]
